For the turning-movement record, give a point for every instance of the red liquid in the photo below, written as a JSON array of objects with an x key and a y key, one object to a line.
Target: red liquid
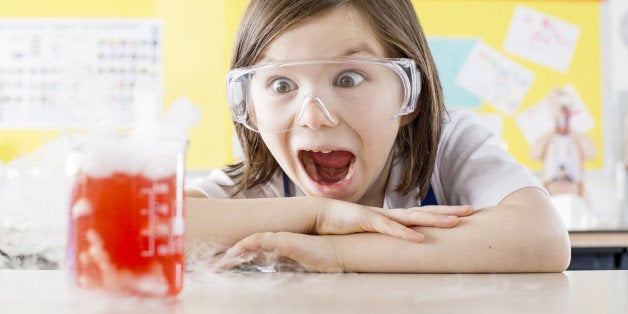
[{"x": 123, "y": 234}]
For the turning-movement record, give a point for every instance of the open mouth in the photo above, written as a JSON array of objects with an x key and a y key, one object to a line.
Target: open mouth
[{"x": 327, "y": 167}]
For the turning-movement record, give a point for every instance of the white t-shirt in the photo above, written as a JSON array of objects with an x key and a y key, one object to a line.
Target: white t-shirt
[{"x": 471, "y": 168}]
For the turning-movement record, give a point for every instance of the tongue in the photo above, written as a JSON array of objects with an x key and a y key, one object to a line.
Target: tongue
[{"x": 334, "y": 159}]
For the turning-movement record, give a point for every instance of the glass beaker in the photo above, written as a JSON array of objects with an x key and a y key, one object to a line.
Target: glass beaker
[{"x": 126, "y": 228}]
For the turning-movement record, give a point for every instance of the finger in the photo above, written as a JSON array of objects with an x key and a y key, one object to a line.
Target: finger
[
  {"x": 460, "y": 211},
  {"x": 245, "y": 251},
  {"x": 227, "y": 262},
  {"x": 384, "y": 225},
  {"x": 283, "y": 251},
  {"x": 413, "y": 217},
  {"x": 233, "y": 258}
]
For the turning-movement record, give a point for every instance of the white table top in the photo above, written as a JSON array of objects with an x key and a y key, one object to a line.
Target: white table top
[{"x": 50, "y": 291}]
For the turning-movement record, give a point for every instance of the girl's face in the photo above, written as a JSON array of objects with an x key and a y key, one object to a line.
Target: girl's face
[{"x": 342, "y": 158}]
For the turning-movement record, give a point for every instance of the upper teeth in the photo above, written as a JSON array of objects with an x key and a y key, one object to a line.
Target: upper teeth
[{"x": 322, "y": 151}]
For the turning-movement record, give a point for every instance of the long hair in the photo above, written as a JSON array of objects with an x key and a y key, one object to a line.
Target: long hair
[{"x": 397, "y": 28}]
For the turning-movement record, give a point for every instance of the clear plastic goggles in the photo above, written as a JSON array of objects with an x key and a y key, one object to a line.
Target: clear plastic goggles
[{"x": 277, "y": 97}]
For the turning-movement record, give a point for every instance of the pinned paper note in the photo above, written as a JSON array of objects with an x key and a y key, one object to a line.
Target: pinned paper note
[
  {"x": 542, "y": 38},
  {"x": 450, "y": 54},
  {"x": 539, "y": 119},
  {"x": 494, "y": 78}
]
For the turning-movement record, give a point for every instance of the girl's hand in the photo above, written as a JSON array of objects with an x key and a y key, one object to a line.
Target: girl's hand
[
  {"x": 283, "y": 251},
  {"x": 338, "y": 217}
]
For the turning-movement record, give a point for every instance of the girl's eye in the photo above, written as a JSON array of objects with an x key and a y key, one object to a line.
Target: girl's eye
[
  {"x": 283, "y": 85},
  {"x": 349, "y": 79}
]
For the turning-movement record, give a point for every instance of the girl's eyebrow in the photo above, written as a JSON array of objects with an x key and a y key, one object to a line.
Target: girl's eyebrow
[{"x": 361, "y": 48}]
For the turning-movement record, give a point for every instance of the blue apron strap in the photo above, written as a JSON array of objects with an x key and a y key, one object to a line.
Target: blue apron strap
[
  {"x": 430, "y": 198},
  {"x": 286, "y": 185}
]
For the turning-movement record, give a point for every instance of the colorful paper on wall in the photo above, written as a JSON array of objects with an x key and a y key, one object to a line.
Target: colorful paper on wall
[
  {"x": 494, "y": 78},
  {"x": 449, "y": 55},
  {"x": 538, "y": 120},
  {"x": 542, "y": 38}
]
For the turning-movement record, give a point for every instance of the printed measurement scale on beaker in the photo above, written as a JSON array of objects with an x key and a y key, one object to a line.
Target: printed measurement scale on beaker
[{"x": 156, "y": 228}]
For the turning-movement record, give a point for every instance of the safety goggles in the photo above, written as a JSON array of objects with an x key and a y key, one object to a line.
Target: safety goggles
[{"x": 279, "y": 96}]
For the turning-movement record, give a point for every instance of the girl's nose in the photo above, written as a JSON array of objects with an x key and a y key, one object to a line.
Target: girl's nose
[{"x": 314, "y": 114}]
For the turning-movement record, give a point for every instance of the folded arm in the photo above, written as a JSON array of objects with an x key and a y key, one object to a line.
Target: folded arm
[
  {"x": 224, "y": 222},
  {"x": 522, "y": 234}
]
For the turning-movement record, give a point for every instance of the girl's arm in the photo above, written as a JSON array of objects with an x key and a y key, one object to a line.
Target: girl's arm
[
  {"x": 224, "y": 222},
  {"x": 522, "y": 234}
]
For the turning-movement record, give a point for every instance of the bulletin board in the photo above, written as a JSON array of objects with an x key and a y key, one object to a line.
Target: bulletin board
[{"x": 529, "y": 48}]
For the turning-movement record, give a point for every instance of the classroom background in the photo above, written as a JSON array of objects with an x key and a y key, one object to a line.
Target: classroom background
[{"x": 506, "y": 60}]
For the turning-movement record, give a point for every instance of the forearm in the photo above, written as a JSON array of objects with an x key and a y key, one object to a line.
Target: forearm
[
  {"x": 226, "y": 221},
  {"x": 497, "y": 239}
]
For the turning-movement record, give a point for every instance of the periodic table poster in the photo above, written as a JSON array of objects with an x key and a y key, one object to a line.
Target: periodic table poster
[{"x": 59, "y": 73}]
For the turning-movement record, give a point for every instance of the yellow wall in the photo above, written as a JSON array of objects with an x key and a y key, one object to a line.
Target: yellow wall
[
  {"x": 199, "y": 36},
  {"x": 195, "y": 67}
]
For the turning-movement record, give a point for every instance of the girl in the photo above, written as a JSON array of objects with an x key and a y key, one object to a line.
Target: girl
[{"x": 340, "y": 113}]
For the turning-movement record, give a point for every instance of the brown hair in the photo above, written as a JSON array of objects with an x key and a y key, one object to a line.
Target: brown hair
[{"x": 396, "y": 26}]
